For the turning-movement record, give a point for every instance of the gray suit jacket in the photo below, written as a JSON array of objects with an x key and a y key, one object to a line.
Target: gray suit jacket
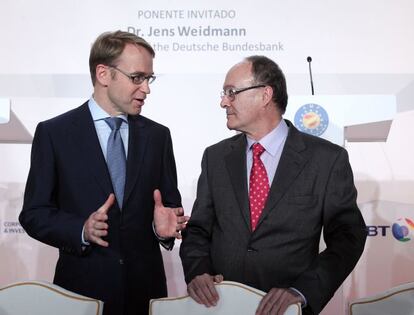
[{"x": 312, "y": 189}]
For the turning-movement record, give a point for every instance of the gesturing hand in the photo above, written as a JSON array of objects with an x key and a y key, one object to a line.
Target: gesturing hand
[
  {"x": 168, "y": 221},
  {"x": 95, "y": 226}
]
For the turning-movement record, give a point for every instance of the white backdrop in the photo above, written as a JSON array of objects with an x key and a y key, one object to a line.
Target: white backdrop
[{"x": 359, "y": 48}]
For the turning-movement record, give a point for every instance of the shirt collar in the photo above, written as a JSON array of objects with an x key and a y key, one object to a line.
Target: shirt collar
[
  {"x": 99, "y": 114},
  {"x": 273, "y": 140}
]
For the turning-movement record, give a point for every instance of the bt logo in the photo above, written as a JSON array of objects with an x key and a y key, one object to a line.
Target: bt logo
[{"x": 402, "y": 230}]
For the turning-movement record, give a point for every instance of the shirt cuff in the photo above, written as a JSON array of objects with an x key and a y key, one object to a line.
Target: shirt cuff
[
  {"x": 84, "y": 243},
  {"x": 166, "y": 242},
  {"x": 304, "y": 304}
]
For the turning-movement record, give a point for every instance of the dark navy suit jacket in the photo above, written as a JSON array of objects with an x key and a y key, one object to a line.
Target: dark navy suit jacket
[{"x": 69, "y": 179}]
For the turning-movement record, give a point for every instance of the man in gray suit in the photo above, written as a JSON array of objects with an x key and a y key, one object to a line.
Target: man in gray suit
[{"x": 263, "y": 198}]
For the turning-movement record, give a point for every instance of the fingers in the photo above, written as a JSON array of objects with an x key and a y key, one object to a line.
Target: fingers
[
  {"x": 108, "y": 204},
  {"x": 203, "y": 291},
  {"x": 99, "y": 225},
  {"x": 277, "y": 301},
  {"x": 178, "y": 235},
  {"x": 178, "y": 211},
  {"x": 98, "y": 240},
  {"x": 181, "y": 218},
  {"x": 157, "y": 198},
  {"x": 182, "y": 222},
  {"x": 218, "y": 278},
  {"x": 94, "y": 234},
  {"x": 95, "y": 227},
  {"x": 168, "y": 221},
  {"x": 180, "y": 225}
]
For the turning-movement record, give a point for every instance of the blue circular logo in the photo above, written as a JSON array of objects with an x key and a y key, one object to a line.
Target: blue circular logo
[
  {"x": 403, "y": 229},
  {"x": 312, "y": 119}
]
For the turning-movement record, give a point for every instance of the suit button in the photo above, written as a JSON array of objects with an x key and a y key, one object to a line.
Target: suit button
[{"x": 121, "y": 261}]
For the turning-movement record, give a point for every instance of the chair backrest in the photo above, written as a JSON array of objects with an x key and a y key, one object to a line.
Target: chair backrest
[
  {"x": 43, "y": 298},
  {"x": 398, "y": 300},
  {"x": 235, "y": 298}
]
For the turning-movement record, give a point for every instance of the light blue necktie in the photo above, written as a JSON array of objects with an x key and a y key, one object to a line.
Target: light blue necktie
[{"x": 115, "y": 158}]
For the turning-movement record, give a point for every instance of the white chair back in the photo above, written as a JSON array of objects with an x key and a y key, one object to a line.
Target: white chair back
[
  {"x": 398, "y": 300},
  {"x": 43, "y": 298},
  {"x": 235, "y": 298}
]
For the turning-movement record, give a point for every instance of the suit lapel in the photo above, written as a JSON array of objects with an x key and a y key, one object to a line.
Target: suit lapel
[
  {"x": 236, "y": 166},
  {"x": 137, "y": 143},
  {"x": 85, "y": 138},
  {"x": 290, "y": 166}
]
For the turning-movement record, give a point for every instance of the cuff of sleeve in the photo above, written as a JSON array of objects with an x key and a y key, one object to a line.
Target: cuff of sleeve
[
  {"x": 301, "y": 295},
  {"x": 84, "y": 243},
  {"x": 167, "y": 243}
]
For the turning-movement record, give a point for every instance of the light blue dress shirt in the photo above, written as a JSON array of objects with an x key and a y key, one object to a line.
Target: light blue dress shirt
[
  {"x": 102, "y": 128},
  {"x": 273, "y": 143}
]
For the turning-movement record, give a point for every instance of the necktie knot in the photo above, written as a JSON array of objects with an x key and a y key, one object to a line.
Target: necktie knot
[
  {"x": 114, "y": 122},
  {"x": 258, "y": 149}
]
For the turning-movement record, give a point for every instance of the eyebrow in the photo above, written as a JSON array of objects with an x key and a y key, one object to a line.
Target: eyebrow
[{"x": 140, "y": 73}]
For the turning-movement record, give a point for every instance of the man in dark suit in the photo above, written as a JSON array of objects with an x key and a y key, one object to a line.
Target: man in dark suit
[
  {"x": 107, "y": 224},
  {"x": 263, "y": 198}
]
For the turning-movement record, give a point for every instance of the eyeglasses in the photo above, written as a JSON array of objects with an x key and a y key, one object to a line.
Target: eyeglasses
[
  {"x": 137, "y": 78},
  {"x": 232, "y": 92}
]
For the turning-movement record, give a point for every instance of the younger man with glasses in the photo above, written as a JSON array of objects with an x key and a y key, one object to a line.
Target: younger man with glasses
[
  {"x": 263, "y": 198},
  {"x": 95, "y": 184}
]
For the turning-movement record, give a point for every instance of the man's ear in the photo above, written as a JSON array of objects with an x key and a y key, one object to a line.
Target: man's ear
[
  {"x": 103, "y": 74},
  {"x": 268, "y": 94}
]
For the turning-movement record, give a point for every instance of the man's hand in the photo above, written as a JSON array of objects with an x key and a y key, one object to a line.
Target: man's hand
[
  {"x": 96, "y": 227},
  {"x": 202, "y": 289},
  {"x": 277, "y": 301},
  {"x": 168, "y": 222}
]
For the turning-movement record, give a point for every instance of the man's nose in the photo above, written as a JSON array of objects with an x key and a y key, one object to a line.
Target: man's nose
[
  {"x": 224, "y": 102},
  {"x": 144, "y": 87}
]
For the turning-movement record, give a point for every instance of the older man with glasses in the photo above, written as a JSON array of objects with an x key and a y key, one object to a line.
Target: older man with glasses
[
  {"x": 263, "y": 198},
  {"x": 95, "y": 184}
]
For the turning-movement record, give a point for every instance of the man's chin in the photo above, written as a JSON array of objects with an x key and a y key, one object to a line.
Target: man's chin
[
  {"x": 135, "y": 112},
  {"x": 231, "y": 126}
]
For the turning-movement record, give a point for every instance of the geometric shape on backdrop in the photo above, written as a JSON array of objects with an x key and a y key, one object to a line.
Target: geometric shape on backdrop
[
  {"x": 312, "y": 119},
  {"x": 14, "y": 131},
  {"x": 369, "y": 132}
]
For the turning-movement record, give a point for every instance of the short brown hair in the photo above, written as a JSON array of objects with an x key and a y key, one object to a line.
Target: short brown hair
[{"x": 110, "y": 45}]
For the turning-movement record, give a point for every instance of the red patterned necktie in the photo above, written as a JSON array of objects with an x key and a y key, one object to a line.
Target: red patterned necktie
[{"x": 259, "y": 186}]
